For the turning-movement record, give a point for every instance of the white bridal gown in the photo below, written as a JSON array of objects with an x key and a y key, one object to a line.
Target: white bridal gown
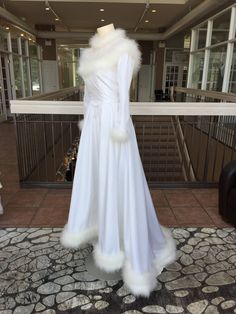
[{"x": 111, "y": 206}]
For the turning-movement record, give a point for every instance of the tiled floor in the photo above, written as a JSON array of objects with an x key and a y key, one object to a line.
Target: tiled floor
[{"x": 49, "y": 207}]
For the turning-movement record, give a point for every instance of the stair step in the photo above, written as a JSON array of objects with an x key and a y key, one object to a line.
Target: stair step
[
  {"x": 157, "y": 144},
  {"x": 161, "y": 160},
  {"x": 157, "y": 147},
  {"x": 158, "y": 133},
  {"x": 162, "y": 167},
  {"x": 165, "y": 176},
  {"x": 156, "y": 140},
  {"x": 156, "y": 130},
  {"x": 151, "y": 118}
]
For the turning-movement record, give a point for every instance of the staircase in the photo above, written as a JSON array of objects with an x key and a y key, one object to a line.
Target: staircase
[{"x": 158, "y": 148}]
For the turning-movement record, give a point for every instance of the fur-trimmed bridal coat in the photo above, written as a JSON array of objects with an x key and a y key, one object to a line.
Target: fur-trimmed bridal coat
[{"x": 111, "y": 206}]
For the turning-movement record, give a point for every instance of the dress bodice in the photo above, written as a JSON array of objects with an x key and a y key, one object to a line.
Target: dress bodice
[{"x": 101, "y": 87}]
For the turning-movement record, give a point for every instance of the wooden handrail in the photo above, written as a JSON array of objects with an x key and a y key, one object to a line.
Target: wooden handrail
[
  {"x": 211, "y": 94},
  {"x": 54, "y": 95},
  {"x": 136, "y": 108}
]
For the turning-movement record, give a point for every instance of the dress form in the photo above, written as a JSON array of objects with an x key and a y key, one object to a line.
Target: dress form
[
  {"x": 102, "y": 31},
  {"x": 91, "y": 267}
]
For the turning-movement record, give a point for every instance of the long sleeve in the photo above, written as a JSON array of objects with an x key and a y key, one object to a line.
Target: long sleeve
[{"x": 125, "y": 67}]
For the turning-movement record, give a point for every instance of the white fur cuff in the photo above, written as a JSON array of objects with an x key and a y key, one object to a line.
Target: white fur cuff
[
  {"x": 75, "y": 240},
  {"x": 108, "y": 263},
  {"x": 80, "y": 124},
  {"x": 119, "y": 135},
  {"x": 139, "y": 284}
]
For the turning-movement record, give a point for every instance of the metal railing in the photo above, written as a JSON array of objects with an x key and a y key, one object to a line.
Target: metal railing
[
  {"x": 174, "y": 146},
  {"x": 207, "y": 142}
]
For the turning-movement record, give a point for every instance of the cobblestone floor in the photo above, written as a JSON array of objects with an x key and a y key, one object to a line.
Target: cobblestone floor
[{"x": 37, "y": 275}]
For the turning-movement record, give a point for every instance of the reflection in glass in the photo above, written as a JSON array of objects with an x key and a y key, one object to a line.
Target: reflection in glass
[
  {"x": 17, "y": 74},
  {"x": 26, "y": 78},
  {"x": 32, "y": 50},
  {"x": 34, "y": 65},
  {"x": 23, "y": 44},
  {"x": 232, "y": 80},
  {"x": 68, "y": 59},
  {"x": 14, "y": 45},
  {"x": 3, "y": 41},
  {"x": 198, "y": 62},
  {"x": 220, "y": 30},
  {"x": 216, "y": 68},
  {"x": 201, "y": 36}
]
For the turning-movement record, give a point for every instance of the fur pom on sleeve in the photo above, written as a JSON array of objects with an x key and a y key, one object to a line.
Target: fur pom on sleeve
[
  {"x": 119, "y": 135},
  {"x": 80, "y": 124}
]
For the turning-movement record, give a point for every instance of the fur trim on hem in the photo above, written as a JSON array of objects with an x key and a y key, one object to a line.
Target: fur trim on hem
[
  {"x": 119, "y": 135},
  {"x": 168, "y": 254},
  {"x": 80, "y": 124},
  {"x": 144, "y": 284},
  {"x": 108, "y": 263},
  {"x": 139, "y": 284},
  {"x": 75, "y": 240}
]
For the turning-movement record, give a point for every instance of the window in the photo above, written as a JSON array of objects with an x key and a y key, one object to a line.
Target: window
[
  {"x": 220, "y": 30},
  {"x": 208, "y": 59},
  {"x": 216, "y": 68},
  {"x": 201, "y": 36},
  {"x": 3, "y": 41},
  {"x": 35, "y": 82},
  {"x": 17, "y": 74},
  {"x": 197, "y": 69},
  {"x": 232, "y": 80}
]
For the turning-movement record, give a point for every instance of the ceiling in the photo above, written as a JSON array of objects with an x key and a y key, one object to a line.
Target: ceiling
[
  {"x": 86, "y": 16},
  {"x": 79, "y": 19}
]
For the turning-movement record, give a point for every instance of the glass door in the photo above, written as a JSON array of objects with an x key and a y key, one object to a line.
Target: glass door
[{"x": 175, "y": 75}]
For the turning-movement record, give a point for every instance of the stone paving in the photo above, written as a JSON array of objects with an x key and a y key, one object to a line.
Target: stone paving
[{"x": 37, "y": 275}]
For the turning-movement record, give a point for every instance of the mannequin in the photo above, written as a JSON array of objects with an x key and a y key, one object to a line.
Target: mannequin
[
  {"x": 103, "y": 30},
  {"x": 90, "y": 265}
]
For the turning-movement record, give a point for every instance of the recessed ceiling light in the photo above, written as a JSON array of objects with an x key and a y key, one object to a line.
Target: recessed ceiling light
[
  {"x": 146, "y": 21},
  {"x": 47, "y": 8},
  {"x": 7, "y": 27},
  {"x": 102, "y": 20},
  {"x": 101, "y": 10},
  {"x": 56, "y": 19},
  {"x": 30, "y": 39},
  {"x": 22, "y": 35},
  {"x": 154, "y": 10}
]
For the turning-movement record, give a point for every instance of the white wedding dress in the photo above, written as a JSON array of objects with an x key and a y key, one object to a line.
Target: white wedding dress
[{"x": 111, "y": 206}]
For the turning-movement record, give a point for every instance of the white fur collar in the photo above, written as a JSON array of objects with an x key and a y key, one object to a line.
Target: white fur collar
[{"x": 104, "y": 52}]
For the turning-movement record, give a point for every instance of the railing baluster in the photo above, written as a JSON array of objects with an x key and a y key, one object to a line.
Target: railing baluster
[
  {"x": 45, "y": 148},
  {"x": 36, "y": 149},
  {"x": 53, "y": 144}
]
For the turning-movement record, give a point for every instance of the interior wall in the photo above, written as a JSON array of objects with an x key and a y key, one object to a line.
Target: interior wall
[
  {"x": 177, "y": 41},
  {"x": 160, "y": 62}
]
